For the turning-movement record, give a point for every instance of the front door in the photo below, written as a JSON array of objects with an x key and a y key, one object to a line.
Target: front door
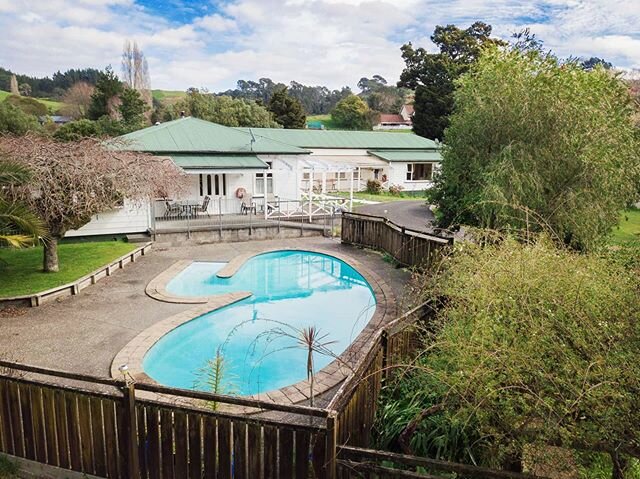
[{"x": 214, "y": 186}]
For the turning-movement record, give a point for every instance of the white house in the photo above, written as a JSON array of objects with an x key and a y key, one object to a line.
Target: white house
[{"x": 266, "y": 165}]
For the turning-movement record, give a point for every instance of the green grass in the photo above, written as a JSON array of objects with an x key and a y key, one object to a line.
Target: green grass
[
  {"x": 22, "y": 272},
  {"x": 326, "y": 120},
  {"x": 8, "y": 469},
  {"x": 52, "y": 105},
  {"x": 168, "y": 95},
  {"x": 383, "y": 197},
  {"x": 628, "y": 230}
]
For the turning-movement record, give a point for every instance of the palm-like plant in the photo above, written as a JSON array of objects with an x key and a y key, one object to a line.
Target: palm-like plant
[{"x": 19, "y": 226}]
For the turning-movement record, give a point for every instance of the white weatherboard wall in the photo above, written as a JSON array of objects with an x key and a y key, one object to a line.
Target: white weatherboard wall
[
  {"x": 133, "y": 217},
  {"x": 398, "y": 176}
]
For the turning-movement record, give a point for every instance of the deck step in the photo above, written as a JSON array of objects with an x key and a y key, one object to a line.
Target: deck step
[{"x": 138, "y": 238}]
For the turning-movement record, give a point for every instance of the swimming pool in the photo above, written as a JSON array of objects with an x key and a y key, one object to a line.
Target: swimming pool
[{"x": 257, "y": 337}]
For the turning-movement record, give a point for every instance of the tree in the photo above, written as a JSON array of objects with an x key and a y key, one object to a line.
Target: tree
[
  {"x": 432, "y": 75},
  {"x": 533, "y": 346},
  {"x": 13, "y": 86},
  {"x": 593, "y": 62},
  {"x": 77, "y": 100},
  {"x": 24, "y": 89},
  {"x": 19, "y": 226},
  {"x": 135, "y": 71},
  {"x": 352, "y": 113},
  {"x": 287, "y": 110},
  {"x": 77, "y": 130},
  {"x": 533, "y": 140},
  {"x": 223, "y": 110},
  {"x": 14, "y": 120},
  {"x": 132, "y": 108},
  {"x": 105, "y": 97},
  {"x": 74, "y": 181}
]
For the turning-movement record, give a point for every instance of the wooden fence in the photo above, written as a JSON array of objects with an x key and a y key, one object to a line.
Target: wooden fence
[
  {"x": 407, "y": 246},
  {"x": 115, "y": 429}
]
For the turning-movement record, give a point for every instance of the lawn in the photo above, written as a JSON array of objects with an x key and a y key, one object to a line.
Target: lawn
[
  {"x": 326, "y": 120},
  {"x": 168, "y": 95},
  {"x": 629, "y": 228},
  {"x": 21, "y": 269},
  {"x": 383, "y": 197}
]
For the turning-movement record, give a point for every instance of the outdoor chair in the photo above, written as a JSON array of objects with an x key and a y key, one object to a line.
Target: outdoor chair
[
  {"x": 203, "y": 207},
  {"x": 247, "y": 205},
  {"x": 171, "y": 209}
]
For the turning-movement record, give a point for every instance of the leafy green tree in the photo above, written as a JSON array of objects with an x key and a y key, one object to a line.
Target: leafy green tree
[
  {"x": 104, "y": 99},
  {"x": 19, "y": 226},
  {"x": 223, "y": 110},
  {"x": 132, "y": 108},
  {"x": 287, "y": 110},
  {"x": 352, "y": 113},
  {"x": 535, "y": 141},
  {"x": 432, "y": 75},
  {"x": 30, "y": 106},
  {"x": 532, "y": 346},
  {"x": 76, "y": 130},
  {"x": 14, "y": 120}
]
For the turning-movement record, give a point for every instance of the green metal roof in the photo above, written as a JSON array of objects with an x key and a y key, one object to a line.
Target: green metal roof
[
  {"x": 219, "y": 162},
  {"x": 422, "y": 156},
  {"x": 343, "y": 139},
  {"x": 190, "y": 135}
]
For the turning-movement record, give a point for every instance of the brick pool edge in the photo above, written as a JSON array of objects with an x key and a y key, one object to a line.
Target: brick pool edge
[{"x": 324, "y": 380}]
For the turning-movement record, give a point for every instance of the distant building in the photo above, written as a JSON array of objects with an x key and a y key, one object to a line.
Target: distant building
[
  {"x": 56, "y": 119},
  {"x": 402, "y": 121}
]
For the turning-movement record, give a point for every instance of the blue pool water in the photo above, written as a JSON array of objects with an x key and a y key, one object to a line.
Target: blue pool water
[{"x": 291, "y": 290}]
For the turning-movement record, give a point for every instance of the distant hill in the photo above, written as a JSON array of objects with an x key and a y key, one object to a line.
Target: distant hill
[
  {"x": 53, "y": 106},
  {"x": 327, "y": 122}
]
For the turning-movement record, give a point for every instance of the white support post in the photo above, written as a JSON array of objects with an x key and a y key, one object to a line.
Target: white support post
[
  {"x": 265, "y": 192},
  {"x": 338, "y": 181},
  {"x": 351, "y": 192},
  {"x": 311, "y": 180},
  {"x": 324, "y": 182},
  {"x": 359, "y": 179}
]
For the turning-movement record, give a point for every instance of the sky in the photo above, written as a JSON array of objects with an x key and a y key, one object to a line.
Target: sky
[{"x": 213, "y": 43}]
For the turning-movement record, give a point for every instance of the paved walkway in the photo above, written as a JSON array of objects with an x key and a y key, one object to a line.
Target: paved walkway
[
  {"x": 83, "y": 333},
  {"x": 414, "y": 214}
]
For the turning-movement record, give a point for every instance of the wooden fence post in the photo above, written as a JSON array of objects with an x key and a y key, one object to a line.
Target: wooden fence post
[
  {"x": 384, "y": 342},
  {"x": 332, "y": 446},
  {"x": 130, "y": 433}
]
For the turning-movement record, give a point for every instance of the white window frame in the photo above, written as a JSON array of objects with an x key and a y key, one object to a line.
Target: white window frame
[
  {"x": 259, "y": 181},
  {"x": 409, "y": 177}
]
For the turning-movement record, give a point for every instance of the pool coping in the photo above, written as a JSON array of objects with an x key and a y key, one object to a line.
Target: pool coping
[{"x": 324, "y": 380}]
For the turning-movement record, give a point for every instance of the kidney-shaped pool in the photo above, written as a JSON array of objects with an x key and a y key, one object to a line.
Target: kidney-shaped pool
[{"x": 258, "y": 336}]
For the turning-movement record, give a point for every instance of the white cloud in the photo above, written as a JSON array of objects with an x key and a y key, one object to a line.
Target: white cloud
[{"x": 330, "y": 42}]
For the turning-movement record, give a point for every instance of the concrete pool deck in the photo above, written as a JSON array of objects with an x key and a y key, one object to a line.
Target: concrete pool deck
[{"x": 84, "y": 333}]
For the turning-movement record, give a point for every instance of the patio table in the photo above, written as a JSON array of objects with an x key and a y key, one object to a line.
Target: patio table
[{"x": 187, "y": 207}]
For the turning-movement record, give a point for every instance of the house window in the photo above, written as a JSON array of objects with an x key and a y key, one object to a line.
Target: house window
[
  {"x": 213, "y": 185},
  {"x": 419, "y": 171},
  {"x": 260, "y": 181},
  {"x": 345, "y": 175}
]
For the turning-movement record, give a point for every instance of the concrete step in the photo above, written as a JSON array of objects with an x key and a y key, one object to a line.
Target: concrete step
[{"x": 139, "y": 238}]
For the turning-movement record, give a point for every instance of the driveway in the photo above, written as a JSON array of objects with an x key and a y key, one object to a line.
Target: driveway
[{"x": 413, "y": 214}]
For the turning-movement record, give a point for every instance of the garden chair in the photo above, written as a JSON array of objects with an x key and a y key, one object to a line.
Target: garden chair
[
  {"x": 203, "y": 207},
  {"x": 247, "y": 205},
  {"x": 171, "y": 209}
]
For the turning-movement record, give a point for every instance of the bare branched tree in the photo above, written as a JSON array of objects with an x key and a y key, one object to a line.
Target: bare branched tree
[
  {"x": 135, "y": 70},
  {"x": 71, "y": 182},
  {"x": 13, "y": 86},
  {"x": 77, "y": 100}
]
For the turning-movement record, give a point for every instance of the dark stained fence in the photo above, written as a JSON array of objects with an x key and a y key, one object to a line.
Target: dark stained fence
[
  {"x": 111, "y": 433},
  {"x": 407, "y": 246}
]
